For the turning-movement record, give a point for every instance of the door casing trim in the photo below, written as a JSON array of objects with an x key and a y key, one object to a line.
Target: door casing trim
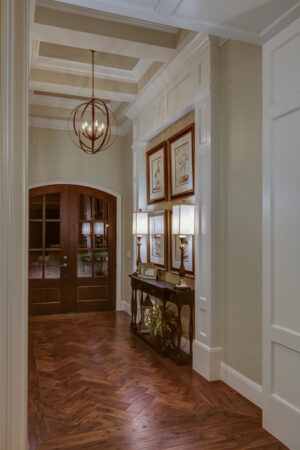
[{"x": 118, "y": 225}]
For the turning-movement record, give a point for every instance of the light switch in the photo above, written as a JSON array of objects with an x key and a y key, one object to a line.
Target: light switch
[{"x": 128, "y": 254}]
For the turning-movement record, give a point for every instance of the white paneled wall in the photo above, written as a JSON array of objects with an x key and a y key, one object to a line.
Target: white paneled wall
[
  {"x": 281, "y": 242},
  {"x": 191, "y": 82}
]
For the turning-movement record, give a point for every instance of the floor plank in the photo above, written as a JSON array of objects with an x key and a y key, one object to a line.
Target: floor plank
[{"x": 94, "y": 385}]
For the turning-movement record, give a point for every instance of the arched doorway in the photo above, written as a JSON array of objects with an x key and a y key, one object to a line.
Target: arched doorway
[{"x": 72, "y": 249}]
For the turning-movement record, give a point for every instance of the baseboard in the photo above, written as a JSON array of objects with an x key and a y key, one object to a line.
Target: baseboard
[
  {"x": 207, "y": 360},
  {"x": 242, "y": 384},
  {"x": 126, "y": 307}
]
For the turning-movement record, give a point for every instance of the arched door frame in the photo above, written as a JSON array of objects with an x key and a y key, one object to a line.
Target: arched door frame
[{"x": 119, "y": 226}]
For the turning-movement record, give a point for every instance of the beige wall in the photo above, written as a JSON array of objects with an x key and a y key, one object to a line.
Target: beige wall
[
  {"x": 52, "y": 156},
  {"x": 242, "y": 206}
]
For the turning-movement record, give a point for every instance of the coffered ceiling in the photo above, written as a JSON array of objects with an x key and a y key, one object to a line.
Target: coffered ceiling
[
  {"x": 134, "y": 41},
  {"x": 129, "y": 54}
]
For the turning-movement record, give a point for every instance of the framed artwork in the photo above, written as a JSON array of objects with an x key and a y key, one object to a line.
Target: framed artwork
[
  {"x": 148, "y": 271},
  {"x": 158, "y": 238},
  {"x": 181, "y": 162},
  {"x": 156, "y": 167}
]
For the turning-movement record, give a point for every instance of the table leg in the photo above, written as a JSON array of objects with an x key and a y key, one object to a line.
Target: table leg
[
  {"x": 133, "y": 309},
  {"x": 141, "y": 304},
  {"x": 179, "y": 330}
]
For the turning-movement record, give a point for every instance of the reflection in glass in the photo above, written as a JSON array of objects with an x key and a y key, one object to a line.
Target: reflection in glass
[
  {"x": 84, "y": 263},
  {"x": 36, "y": 207},
  {"x": 100, "y": 232},
  {"x": 99, "y": 208},
  {"x": 86, "y": 207},
  {"x": 85, "y": 235},
  {"x": 52, "y": 235},
  {"x": 52, "y": 206},
  {"x": 35, "y": 263},
  {"x": 101, "y": 263},
  {"x": 35, "y": 234},
  {"x": 52, "y": 265}
]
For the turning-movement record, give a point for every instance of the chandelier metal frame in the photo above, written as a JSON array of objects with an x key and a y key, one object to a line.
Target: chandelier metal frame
[{"x": 92, "y": 137}]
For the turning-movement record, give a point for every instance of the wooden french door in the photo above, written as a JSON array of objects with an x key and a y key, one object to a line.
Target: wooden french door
[{"x": 72, "y": 250}]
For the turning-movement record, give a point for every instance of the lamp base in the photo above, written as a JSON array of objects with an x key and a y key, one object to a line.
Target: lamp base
[{"x": 182, "y": 284}]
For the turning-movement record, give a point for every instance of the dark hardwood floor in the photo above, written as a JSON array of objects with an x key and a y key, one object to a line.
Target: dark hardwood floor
[{"x": 93, "y": 385}]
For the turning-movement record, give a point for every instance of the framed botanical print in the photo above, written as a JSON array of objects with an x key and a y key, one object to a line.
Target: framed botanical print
[
  {"x": 156, "y": 166},
  {"x": 158, "y": 238},
  {"x": 181, "y": 162}
]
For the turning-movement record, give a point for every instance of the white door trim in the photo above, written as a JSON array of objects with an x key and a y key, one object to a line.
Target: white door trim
[
  {"x": 13, "y": 224},
  {"x": 119, "y": 226}
]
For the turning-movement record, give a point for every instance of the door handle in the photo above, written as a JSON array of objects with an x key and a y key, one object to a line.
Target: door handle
[{"x": 64, "y": 265}]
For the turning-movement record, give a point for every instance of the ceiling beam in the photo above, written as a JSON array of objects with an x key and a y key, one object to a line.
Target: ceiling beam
[{"x": 85, "y": 32}]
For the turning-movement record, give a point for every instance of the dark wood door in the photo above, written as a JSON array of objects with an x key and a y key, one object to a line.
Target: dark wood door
[{"x": 72, "y": 250}]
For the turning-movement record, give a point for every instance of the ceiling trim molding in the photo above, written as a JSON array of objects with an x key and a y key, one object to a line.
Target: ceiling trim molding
[
  {"x": 177, "y": 20},
  {"x": 279, "y": 23},
  {"x": 64, "y": 66},
  {"x": 62, "y": 125},
  {"x": 167, "y": 73},
  {"x": 83, "y": 92},
  {"x": 96, "y": 13},
  {"x": 85, "y": 40}
]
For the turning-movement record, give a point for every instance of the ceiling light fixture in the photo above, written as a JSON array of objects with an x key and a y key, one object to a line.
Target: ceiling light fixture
[{"x": 90, "y": 123}]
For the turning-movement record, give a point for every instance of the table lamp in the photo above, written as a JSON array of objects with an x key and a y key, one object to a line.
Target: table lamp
[
  {"x": 139, "y": 229},
  {"x": 183, "y": 225}
]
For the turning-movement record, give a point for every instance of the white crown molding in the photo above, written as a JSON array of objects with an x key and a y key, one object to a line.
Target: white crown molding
[
  {"x": 96, "y": 13},
  {"x": 111, "y": 73},
  {"x": 165, "y": 16},
  {"x": 242, "y": 384},
  {"x": 62, "y": 102},
  {"x": 62, "y": 124},
  {"x": 184, "y": 56},
  {"x": 285, "y": 19},
  {"x": 79, "y": 91}
]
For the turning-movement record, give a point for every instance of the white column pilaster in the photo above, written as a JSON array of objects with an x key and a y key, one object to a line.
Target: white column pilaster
[
  {"x": 207, "y": 344},
  {"x": 13, "y": 225}
]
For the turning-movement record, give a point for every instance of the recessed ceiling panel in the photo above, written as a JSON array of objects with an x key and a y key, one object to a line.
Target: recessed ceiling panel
[{"x": 84, "y": 56}]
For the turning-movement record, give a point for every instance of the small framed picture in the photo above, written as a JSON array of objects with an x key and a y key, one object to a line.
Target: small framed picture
[
  {"x": 158, "y": 238},
  {"x": 148, "y": 271},
  {"x": 181, "y": 162},
  {"x": 156, "y": 167}
]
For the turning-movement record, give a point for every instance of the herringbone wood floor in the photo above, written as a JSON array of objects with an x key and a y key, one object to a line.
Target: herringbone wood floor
[{"x": 93, "y": 385}]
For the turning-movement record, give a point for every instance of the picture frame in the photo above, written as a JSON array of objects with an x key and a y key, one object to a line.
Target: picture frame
[
  {"x": 157, "y": 173},
  {"x": 158, "y": 245},
  {"x": 181, "y": 151},
  {"x": 175, "y": 255},
  {"x": 147, "y": 271}
]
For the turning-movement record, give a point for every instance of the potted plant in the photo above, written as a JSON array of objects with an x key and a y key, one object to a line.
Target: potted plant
[{"x": 163, "y": 326}]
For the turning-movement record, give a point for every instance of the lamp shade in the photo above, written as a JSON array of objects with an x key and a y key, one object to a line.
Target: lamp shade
[
  {"x": 98, "y": 228},
  {"x": 183, "y": 220},
  {"x": 86, "y": 229},
  {"x": 157, "y": 225},
  {"x": 140, "y": 223}
]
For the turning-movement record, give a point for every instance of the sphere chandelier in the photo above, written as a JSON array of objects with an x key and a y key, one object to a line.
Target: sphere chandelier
[{"x": 90, "y": 123}]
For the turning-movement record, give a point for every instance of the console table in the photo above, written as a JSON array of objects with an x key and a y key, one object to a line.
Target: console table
[{"x": 166, "y": 292}]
